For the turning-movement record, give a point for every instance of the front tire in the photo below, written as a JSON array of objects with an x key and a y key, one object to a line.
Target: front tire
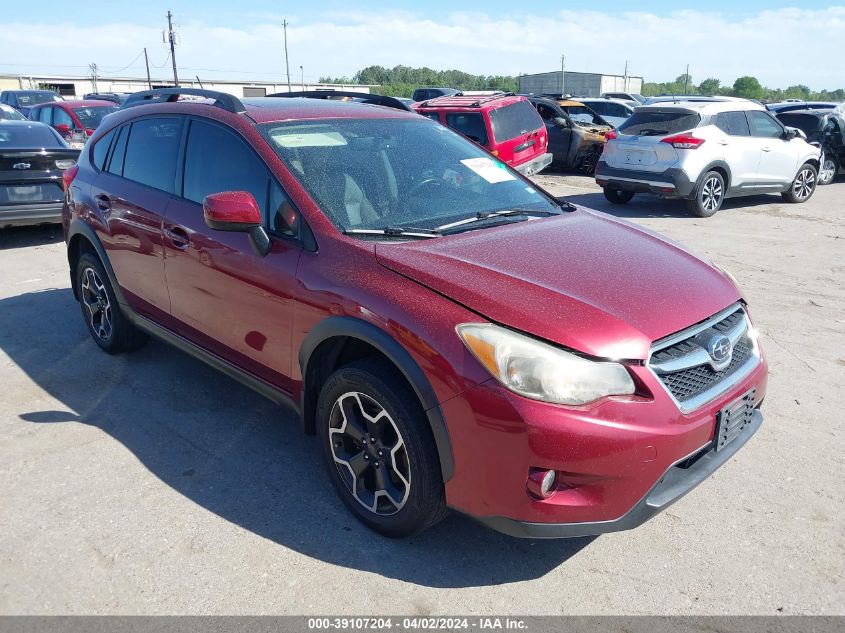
[
  {"x": 379, "y": 450},
  {"x": 106, "y": 323},
  {"x": 830, "y": 167},
  {"x": 803, "y": 186},
  {"x": 617, "y": 196},
  {"x": 709, "y": 196}
]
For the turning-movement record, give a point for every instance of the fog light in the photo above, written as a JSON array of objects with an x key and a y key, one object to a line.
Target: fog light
[{"x": 541, "y": 482}]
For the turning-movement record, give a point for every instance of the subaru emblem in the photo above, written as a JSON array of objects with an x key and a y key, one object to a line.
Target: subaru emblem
[{"x": 719, "y": 348}]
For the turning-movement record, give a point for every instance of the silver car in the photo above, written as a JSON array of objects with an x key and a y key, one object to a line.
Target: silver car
[{"x": 704, "y": 152}]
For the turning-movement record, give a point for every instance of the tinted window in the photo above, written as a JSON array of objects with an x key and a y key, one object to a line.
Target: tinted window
[
  {"x": 546, "y": 113},
  {"x": 656, "y": 123},
  {"x": 10, "y": 114},
  {"x": 806, "y": 122},
  {"x": 470, "y": 125},
  {"x": 119, "y": 152},
  {"x": 514, "y": 120},
  {"x": 583, "y": 114},
  {"x": 34, "y": 98},
  {"x": 91, "y": 117},
  {"x": 284, "y": 219},
  {"x": 152, "y": 151},
  {"x": 216, "y": 160},
  {"x": 45, "y": 115},
  {"x": 60, "y": 117},
  {"x": 101, "y": 150},
  {"x": 763, "y": 125},
  {"x": 434, "y": 116},
  {"x": 733, "y": 123},
  {"x": 29, "y": 136},
  {"x": 609, "y": 108}
]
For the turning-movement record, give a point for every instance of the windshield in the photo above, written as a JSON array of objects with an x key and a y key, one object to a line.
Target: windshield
[
  {"x": 8, "y": 113},
  {"x": 582, "y": 114},
  {"x": 32, "y": 136},
  {"x": 34, "y": 98},
  {"x": 90, "y": 117},
  {"x": 656, "y": 123},
  {"x": 411, "y": 173}
]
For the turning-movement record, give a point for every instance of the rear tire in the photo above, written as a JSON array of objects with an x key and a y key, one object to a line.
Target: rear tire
[
  {"x": 803, "y": 186},
  {"x": 617, "y": 196},
  {"x": 106, "y": 323},
  {"x": 830, "y": 167},
  {"x": 709, "y": 196},
  {"x": 379, "y": 450}
]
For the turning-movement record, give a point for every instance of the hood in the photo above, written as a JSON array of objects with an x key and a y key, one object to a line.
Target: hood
[{"x": 583, "y": 280}]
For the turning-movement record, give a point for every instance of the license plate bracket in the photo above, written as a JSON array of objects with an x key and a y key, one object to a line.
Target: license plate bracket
[{"x": 733, "y": 418}]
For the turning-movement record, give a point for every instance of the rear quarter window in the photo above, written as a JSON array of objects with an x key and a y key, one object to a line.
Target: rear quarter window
[
  {"x": 656, "y": 123},
  {"x": 514, "y": 120},
  {"x": 101, "y": 150}
]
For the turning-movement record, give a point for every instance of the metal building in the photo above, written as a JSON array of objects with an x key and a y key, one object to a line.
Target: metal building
[{"x": 578, "y": 84}]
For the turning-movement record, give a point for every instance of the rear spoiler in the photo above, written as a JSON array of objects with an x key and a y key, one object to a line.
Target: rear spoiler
[{"x": 364, "y": 97}]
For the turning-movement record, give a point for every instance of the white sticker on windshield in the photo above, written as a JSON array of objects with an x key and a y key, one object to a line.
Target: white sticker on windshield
[
  {"x": 307, "y": 139},
  {"x": 489, "y": 170}
]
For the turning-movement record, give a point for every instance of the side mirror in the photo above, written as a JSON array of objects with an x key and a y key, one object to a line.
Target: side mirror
[
  {"x": 561, "y": 122},
  {"x": 237, "y": 211},
  {"x": 790, "y": 133}
]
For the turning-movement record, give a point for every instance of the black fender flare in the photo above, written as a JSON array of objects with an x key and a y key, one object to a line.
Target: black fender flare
[
  {"x": 722, "y": 165},
  {"x": 373, "y": 335},
  {"x": 83, "y": 229}
]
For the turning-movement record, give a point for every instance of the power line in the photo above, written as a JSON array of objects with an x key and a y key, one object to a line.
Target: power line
[{"x": 129, "y": 65}]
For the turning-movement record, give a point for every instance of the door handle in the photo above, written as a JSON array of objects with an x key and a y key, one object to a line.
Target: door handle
[
  {"x": 178, "y": 237},
  {"x": 723, "y": 143},
  {"x": 103, "y": 202},
  {"x": 767, "y": 149}
]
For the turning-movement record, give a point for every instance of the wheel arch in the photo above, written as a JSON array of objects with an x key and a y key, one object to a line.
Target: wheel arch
[
  {"x": 81, "y": 238},
  {"x": 336, "y": 340},
  {"x": 719, "y": 166}
]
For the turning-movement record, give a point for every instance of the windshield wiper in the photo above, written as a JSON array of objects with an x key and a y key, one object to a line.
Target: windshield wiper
[
  {"x": 395, "y": 231},
  {"x": 478, "y": 217}
]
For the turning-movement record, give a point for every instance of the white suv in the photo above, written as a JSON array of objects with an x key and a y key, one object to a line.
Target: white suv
[{"x": 704, "y": 153}]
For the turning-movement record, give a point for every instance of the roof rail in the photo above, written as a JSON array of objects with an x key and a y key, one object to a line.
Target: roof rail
[
  {"x": 365, "y": 97},
  {"x": 467, "y": 101},
  {"x": 169, "y": 95}
]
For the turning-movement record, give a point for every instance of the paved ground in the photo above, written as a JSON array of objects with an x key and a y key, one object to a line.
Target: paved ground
[{"x": 151, "y": 484}]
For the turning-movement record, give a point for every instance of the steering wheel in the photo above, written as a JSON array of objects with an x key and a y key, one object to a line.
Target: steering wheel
[{"x": 425, "y": 182}]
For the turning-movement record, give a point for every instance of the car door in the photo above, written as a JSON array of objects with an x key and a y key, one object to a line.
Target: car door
[
  {"x": 560, "y": 136},
  {"x": 224, "y": 296},
  {"x": 739, "y": 150},
  {"x": 778, "y": 157},
  {"x": 132, "y": 191}
]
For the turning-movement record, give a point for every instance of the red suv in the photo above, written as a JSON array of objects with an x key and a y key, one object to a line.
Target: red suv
[
  {"x": 507, "y": 125},
  {"x": 69, "y": 116},
  {"x": 454, "y": 336}
]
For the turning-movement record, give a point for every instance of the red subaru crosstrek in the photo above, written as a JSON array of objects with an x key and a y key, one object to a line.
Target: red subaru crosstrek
[{"x": 453, "y": 335}]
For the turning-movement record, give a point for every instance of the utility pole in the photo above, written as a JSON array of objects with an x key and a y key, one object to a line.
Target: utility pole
[
  {"x": 686, "y": 80},
  {"x": 93, "y": 68},
  {"x": 302, "y": 75},
  {"x": 147, "y": 63},
  {"x": 562, "y": 75},
  {"x": 171, "y": 37},
  {"x": 626, "y": 76},
  {"x": 287, "y": 64}
]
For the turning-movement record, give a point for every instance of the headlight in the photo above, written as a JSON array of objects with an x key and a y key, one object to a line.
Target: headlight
[
  {"x": 65, "y": 163},
  {"x": 539, "y": 371}
]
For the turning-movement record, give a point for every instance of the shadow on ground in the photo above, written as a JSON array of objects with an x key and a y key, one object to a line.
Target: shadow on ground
[
  {"x": 26, "y": 236},
  {"x": 239, "y": 456},
  {"x": 647, "y": 206}
]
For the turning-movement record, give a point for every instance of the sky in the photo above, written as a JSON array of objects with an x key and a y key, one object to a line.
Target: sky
[{"x": 781, "y": 43}]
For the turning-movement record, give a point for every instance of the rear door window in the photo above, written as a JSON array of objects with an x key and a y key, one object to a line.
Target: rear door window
[
  {"x": 152, "y": 151},
  {"x": 657, "y": 123},
  {"x": 514, "y": 120},
  {"x": 764, "y": 126},
  {"x": 732, "y": 123},
  {"x": 470, "y": 124}
]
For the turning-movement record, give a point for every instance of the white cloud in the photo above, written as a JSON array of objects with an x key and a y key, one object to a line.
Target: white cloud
[{"x": 781, "y": 47}]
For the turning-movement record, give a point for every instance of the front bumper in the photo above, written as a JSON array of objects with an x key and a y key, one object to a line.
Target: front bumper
[
  {"x": 535, "y": 165},
  {"x": 617, "y": 460},
  {"x": 674, "y": 484},
  {"x": 30, "y": 214},
  {"x": 672, "y": 183}
]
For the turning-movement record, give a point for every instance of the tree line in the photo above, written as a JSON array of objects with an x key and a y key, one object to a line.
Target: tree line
[{"x": 400, "y": 81}]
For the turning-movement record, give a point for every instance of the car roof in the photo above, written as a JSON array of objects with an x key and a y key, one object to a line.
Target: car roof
[
  {"x": 471, "y": 101},
  {"x": 76, "y": 103},
  {"x": 703, "y": 107}
]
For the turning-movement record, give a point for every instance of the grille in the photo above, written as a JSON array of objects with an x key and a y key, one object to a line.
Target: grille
[{"x": 690, "y": 382}]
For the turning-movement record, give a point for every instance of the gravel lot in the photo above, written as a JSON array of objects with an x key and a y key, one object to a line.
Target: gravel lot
[{"x": 152, "y": 484}]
